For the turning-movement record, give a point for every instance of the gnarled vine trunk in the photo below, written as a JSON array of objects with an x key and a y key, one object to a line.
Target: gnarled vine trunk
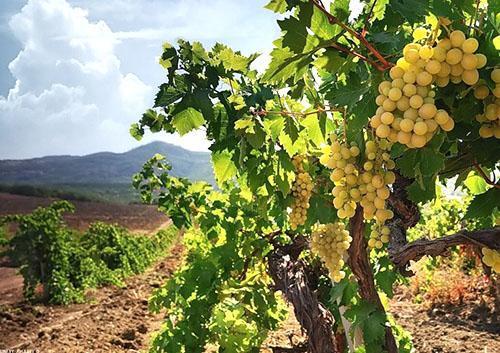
[{"x": 290, "y": 276}]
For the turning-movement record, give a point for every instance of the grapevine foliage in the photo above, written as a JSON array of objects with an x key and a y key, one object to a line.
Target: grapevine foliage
[
  {"x": 354, "y": 122},
  {"x": 66, "y": 263}
]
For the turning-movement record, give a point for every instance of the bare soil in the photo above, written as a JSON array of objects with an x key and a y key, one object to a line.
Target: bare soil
[
  {"x": 137, "y": 218},
  {"x": 113, "y": 320}
]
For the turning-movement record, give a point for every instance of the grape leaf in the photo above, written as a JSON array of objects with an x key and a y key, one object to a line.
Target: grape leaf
[
  {"x": 224, "y": 167},
  {"x": 483, "y": 205},
  {"x": 187, "y": 120},
  {"x": 412, "y": 10}
]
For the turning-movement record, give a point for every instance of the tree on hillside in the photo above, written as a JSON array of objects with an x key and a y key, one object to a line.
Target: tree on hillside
[{"x": 322, "y": 163}]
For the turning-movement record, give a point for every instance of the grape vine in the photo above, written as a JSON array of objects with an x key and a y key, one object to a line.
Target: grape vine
[{"x": 350, "y": 129}]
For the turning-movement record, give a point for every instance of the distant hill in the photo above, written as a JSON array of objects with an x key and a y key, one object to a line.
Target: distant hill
[{"x": 100, "y": 170}]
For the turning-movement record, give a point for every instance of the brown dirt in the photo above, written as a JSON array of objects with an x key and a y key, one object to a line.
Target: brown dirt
[
  {"x": 139, "y": 218},
  {"x": 466, "y": 327},
  {"x": 114, "y": 320}
]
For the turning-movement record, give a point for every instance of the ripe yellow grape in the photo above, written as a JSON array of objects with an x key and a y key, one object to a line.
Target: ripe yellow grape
[
  {"x": 470, "y": 77},
  {"x": 420, "y": 128},
  {"x": 383, "y": 131},
  {"x": 469, "y": 61},
  {"x": 426, "y": 52},
  {"x": 454, "y": 56},
  {"x": 470, "y": 45},
  {"x": 394, "y": 94},
  {"x": 456, "y": 70},
  {"x": 439, "y": 54},
  {"x": 481, "y": 60},
  {"x": 424, "y": 78},
  {"x": 485, "y": 131},
  {"x": 441, "y": 116},
  {"x": 416, "y": 101},
  {"x": 409, "y": 77},
  {"x": 384, "y": 87},
  {"x": 445, "y": 70},
  {"x": 457, "y": 38},
  {"x": 448, "y": 125},
  {"x": 330, "y": 243},
  {"x": 433, "y": 67},
  {"x": 491, "y": 258},
  {"x": 481, "y": 92},
  {"x": 403, "y": 103},
  {"x": 411, "y": 56},
  {"x": 404, "y": 137},
  {"x": 427, "y": 111},
  {"x": 387, "y": 118},
  {"x": 398, "y": 83},
  {"x": 418, "y": 141},
  {"x": 495, "y": 75},
  {"x": 396, "y": 72},
  {"x": 389, "y": 105},
  {"x": 444, "y": 43},
  {"x": 409, "y": 89},
  {"x": 301, "y": 190}
]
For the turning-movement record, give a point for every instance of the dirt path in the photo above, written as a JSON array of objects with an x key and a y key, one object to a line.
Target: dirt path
[{"x": 115, "y": 320}]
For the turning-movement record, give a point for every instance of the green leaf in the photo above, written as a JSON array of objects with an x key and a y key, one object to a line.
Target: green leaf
[
  {"x": 136, "y": 131},
  {"x": 224, "y": 167},
  {"x": 429, "y": 162},
  {"x": 273, "y": 126},
  {"x": 412, "y": 10},
  {"x": 476, "y": 184},
  {"x": 374, "y": 327},
  {"x": 311, "y": 123},
  {"x": 483, "y": 205},
  {"x": 295, "y": 36},
  {"x": 321, "y": 27},
  {"x": 167, "y": 95},
  {"x": 340, "y": 9},
  {"x": 285, "y": 64},
  {"x": 187, "y": 120},
  {"x": 422, "y": 190},
  {"x": 279, "y": 6},
  {"x": 379, "y": 9}
]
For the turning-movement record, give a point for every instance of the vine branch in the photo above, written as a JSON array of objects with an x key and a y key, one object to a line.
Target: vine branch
[
  {"x": 359, "y": 36},
  {"x": 403, "y": 254}
]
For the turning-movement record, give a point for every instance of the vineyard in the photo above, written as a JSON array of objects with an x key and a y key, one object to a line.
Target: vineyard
[{"x": 357, "y": 190}]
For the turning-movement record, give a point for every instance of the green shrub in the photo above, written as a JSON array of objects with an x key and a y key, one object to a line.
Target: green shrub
[{"x": 66, "y": 263}]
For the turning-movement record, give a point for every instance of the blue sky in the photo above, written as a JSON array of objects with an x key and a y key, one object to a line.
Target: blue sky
[{"x": 75, "y": 73}]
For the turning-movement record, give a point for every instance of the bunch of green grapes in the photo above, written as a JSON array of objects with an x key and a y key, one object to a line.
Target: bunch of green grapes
[
  {"x": 492, "y": 259},
  {"x": 330, "y": 242},
  {"x": 490, "y": 119},
  {"x": 301, "y": 190},
  {"x": 407, "y": 113},
  {"x": 379, "y": 236},
  {"x": 341, "y": 157},
  {"x": 375, "y": 180}
]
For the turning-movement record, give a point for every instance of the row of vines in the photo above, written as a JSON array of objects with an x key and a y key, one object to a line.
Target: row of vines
[{"x": 63, "y": 263}]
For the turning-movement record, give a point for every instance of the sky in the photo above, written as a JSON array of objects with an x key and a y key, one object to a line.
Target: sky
[{"x": 74, "y": 74}]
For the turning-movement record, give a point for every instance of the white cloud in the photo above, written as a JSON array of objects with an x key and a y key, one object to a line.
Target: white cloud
[{"x": 70, "y": 96}]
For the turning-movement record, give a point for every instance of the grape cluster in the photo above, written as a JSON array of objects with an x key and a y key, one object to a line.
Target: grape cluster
[
  {"x": 330, "y": 242},
  {"x": 379, "y": 236},
  {"x": 301, "y": 190},
  {"x": 341, "y": 157},
  {"x": 377, "y": 175},
  {"x": 490, "y": 119},
  {"x": 407, "y": 113},
  {"x": 492, "y": 258}
]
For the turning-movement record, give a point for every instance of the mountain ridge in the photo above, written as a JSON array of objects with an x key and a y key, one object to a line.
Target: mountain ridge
[{"x": 104, "y": 167}]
